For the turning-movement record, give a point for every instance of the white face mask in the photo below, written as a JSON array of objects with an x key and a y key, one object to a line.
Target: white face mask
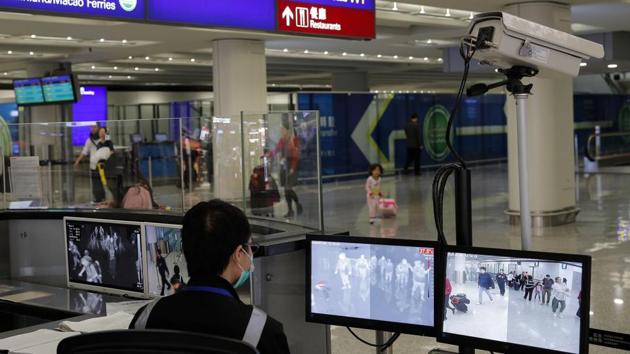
[{"x": 482, "y": 271}]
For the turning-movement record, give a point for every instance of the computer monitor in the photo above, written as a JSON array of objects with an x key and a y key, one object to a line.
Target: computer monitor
[
  {"x": 105, "y": 256},
  {"x": 167, "y": 271},
  {"x": 489, "y": 304},
  {"x": 59, "y": 89},
  {"x": 28, "y": 91},
  {"x": 373, "y": 283},
  {"x": 160, "y": 137}
]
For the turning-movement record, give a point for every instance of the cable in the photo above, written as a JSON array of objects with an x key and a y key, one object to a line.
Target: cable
[{"x": 381, "y": 347}]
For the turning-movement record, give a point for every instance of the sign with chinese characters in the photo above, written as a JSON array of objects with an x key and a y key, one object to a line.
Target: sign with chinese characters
[
  {"x": 119, "y": 9},
  {"x": 335, "y": 18},
  {"x": 246, "y": 14}
]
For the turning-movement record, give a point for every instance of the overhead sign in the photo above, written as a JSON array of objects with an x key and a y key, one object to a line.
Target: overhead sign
[
  {"x": 121, "y": 9},
  {"x": 247, "y": 14},
  {"x": 336, "y": 18}
]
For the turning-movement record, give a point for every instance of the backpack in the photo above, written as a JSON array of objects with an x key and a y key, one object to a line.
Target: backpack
[{"x": 137, "y": 197}]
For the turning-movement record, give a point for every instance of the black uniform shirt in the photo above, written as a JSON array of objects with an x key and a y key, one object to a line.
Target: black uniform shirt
[{"x": 214, "y": 314}]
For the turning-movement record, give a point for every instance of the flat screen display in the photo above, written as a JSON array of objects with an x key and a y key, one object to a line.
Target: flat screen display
[
  {"x": 167, "y": 271},
  {"x": 517, "y": 298},
  {"x": 371, "y": 283},
  {"x": 105, "y": 255},
  {"x": 28, "y": 91},
  {"x": 58, "y": 89}
]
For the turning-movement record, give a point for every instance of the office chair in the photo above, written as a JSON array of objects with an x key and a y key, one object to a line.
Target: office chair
[{"x": 152, "y": 341}]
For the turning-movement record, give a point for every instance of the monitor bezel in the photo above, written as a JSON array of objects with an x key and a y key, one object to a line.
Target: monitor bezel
[
  {"x": 104, "y": 289},
  {"x": 488, "y": 344},
  {"x": 365, "y": 323},
  {"x": 146, "y": 257},
  {"x": 42, "y": 103}
]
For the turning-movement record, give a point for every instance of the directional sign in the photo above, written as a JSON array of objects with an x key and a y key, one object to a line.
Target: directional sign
[
  {"x": 319, "y": 19},
  {"x": 119, "y": 9}
]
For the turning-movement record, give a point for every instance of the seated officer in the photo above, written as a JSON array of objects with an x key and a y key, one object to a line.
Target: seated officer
[{"x": 216, "y": 238}]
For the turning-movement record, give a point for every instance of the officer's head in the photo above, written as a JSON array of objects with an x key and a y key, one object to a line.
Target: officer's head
[{"x": 216, "y": 239}]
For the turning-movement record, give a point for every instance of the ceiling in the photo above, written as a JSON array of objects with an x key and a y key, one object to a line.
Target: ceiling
[{"x": 405, "y": 56}]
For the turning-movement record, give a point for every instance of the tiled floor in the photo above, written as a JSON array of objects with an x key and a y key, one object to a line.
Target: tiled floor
[{"x": 602, "y": 229}]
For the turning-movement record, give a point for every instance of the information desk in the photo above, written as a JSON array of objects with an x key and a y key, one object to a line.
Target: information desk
[{"x": 32, "y": 254}]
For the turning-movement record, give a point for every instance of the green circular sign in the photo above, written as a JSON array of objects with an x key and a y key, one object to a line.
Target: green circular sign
[
  {"x": 434, "y": 132},
  {"x": 624, "y": 121},
  {"x": 128, "y": 5}
]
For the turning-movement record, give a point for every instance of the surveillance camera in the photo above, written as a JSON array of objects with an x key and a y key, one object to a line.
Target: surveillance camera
[{"x": 504, "y": 41}]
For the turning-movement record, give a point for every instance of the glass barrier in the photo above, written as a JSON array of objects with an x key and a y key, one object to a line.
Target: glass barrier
[{"x": 281, "y": 166}]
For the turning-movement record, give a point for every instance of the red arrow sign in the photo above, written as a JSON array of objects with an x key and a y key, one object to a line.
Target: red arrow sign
[{"x": 325, "y": 20}]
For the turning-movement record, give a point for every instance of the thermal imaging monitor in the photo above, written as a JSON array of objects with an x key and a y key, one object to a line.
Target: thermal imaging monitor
[
  {"x": 167, "y": 271},
  {"x": 105, "y": 256},
  {"x": 380, "y": 284},
  {"x": 515, "y": 301}
]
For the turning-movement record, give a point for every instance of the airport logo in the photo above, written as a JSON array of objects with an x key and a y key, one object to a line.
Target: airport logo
[
  {"x": 128, "y": 5},
  {"x": 435, "y": 125}
]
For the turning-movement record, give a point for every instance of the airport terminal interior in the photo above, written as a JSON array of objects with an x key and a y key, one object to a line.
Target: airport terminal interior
[{"x": 383, "y": 152}]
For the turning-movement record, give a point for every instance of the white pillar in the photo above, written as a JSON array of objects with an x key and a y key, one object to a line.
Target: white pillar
[
  {"x": 550, "y": 132},
  {"x": 240, "y": 84}
]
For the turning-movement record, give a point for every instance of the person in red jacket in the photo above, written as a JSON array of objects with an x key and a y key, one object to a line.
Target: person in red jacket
[
  {"x": 289, "y": 149},
  {"x": 447, "y": 294}
]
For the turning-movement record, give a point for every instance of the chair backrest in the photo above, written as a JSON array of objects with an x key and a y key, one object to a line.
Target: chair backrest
[{"x": 152, "y": 341}]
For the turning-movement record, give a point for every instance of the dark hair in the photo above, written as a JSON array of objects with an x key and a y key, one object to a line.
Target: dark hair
[
  {"x": 176, "y": 269},
  {"x": 414, "y": 116},
  {"x": 375, "y": 166},
  {"x": 211, "y": 232},
  {"x": 484, "y": 268}
]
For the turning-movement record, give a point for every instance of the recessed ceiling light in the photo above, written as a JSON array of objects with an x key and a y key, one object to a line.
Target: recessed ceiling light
[
  {"x": 69, "y": 38},
  {"x": 362, "y": 54},
  {"x": 429, "y": 41},
  {"x": 129, "y": 76},
  {"x": 422, "y": 10},
  {"x": 192, "y": 60},
  {"x": 115, "y": 68},
  {"x": 395, "y": 7},
  {"x": 612, "y": 66},
  {"x": 31, "y": 53},
  {"x": 170, "y": 59},
  {"x": 471, "y": 15},
  {"x": 10, "y": 52},
  {"x": 147, "y": 58},
  {"x": 93, "y": 67},
  {"x": 591, "y": 313},
  {"x": 440, "y": 59},
  {"x": 618, "y": 301},
  {"x": 326, "y": 53},
  {"x": 410, "y": 58},
  {"x": 130, "y": 57},
  {"x": 124, "y": 41},
  {"x": 379, "y": 56},
  {"x": 5, "y": 73},
  {"x": 157, "y": 69},
  {"x": 286, "y": 50},
  {"x": 426, "y": 58},
  {"x": 110, "y": 76},
  {"x": 583, "y": 64},
  {"x": 33, "y": 36},
  {"x": 414, "y": 91},
  {"x": 448, "y": 13},
  {"x": 395, "y": 56},
  {"x": 344, "y": 54},
  {"x": 399, "y": 91},
  {"x": 136, "y": 68},
  {"x": 102, "y": 40},
  {"x": 305, "y": 51},
  {"x": 273, "y": 85},
  {"x": 422, "y": 91}
]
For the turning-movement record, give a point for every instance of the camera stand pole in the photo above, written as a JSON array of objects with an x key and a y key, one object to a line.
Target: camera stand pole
[
  {"x": 382, "y": 338},
  {"x": 523, "y": 170},
  {"x": 463, "y": 219}
]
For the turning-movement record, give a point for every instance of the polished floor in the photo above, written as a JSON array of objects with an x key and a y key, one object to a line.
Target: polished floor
[{"x": 602, "y": 231}]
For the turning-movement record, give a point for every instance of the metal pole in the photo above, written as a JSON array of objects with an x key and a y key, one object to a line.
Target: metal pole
[
  {"x": 382, "y": 338},
  {"x": 181, "y": 164},
  {"x": 523, "y": 175},
  {"x": 320, "y": 187},
  {"x": 189, "y": 162},
  {"x": 150, "y": 165}
]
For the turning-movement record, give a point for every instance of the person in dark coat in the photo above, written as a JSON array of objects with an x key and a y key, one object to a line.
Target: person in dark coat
[
  {"x": 547, "y": 288},
  {"x": 414, "y": 145},
  {"x": 501, "y": 280},
  {"x": 485, "y": 283}
]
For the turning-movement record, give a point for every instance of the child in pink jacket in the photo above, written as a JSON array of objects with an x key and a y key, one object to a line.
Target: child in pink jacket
[{"x": 373, "y": 190}]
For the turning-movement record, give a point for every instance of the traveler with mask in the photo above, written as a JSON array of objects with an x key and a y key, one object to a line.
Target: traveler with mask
[
  {"x": 218, "y": 248},
  {"x": 485, "y": 283},
  {"x": 501, "y": 280},
  {"x": 547, "y": 288},
  {"x": 89, "y": 149}
]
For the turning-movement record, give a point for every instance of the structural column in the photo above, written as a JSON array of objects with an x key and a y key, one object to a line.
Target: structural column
[
  {"x": 240, "y": 85},
  {"x": 550, "y": 131}
]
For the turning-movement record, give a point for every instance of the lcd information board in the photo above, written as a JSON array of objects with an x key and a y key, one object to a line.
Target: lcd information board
[
  {"x": 58, "y": 89},
  {"x": 28, "y": 91}
]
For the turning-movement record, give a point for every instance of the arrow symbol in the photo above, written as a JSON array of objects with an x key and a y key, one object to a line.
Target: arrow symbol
[{"x": 287, "y": 14}]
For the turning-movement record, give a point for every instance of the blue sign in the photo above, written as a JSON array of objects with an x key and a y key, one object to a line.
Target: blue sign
[
  {"x": 369, "y": 5},
  {"x": 92, "y": 107},
  {"x": 249, "y": 14},
  {"x": 123, "y": 9}
]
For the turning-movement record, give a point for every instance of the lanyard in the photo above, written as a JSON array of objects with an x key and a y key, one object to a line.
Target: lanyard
[{"x": 209, "y": 289}]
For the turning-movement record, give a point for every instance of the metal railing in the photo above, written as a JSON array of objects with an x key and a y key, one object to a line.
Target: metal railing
[{"x": 608, "y": 147}]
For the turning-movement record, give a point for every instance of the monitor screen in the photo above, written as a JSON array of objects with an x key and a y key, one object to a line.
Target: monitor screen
[
  {"x": 504, "y": 300},
  {"x": 28, "y": 91},
  {"x": 167, "y": 271},
  {"x": 160, "y": 137},
  {"x": 105, "y": 255},
  {"x": 58, "y": 89},
  {"x": 381, "y": 284}
]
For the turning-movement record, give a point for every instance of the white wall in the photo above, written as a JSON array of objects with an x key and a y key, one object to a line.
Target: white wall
[
  {"x": 7, "y": 96},
  {"x": 150, "y": 97}
]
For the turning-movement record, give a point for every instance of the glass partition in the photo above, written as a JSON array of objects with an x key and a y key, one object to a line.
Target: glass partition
[{"x": 281, "y": 166}]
